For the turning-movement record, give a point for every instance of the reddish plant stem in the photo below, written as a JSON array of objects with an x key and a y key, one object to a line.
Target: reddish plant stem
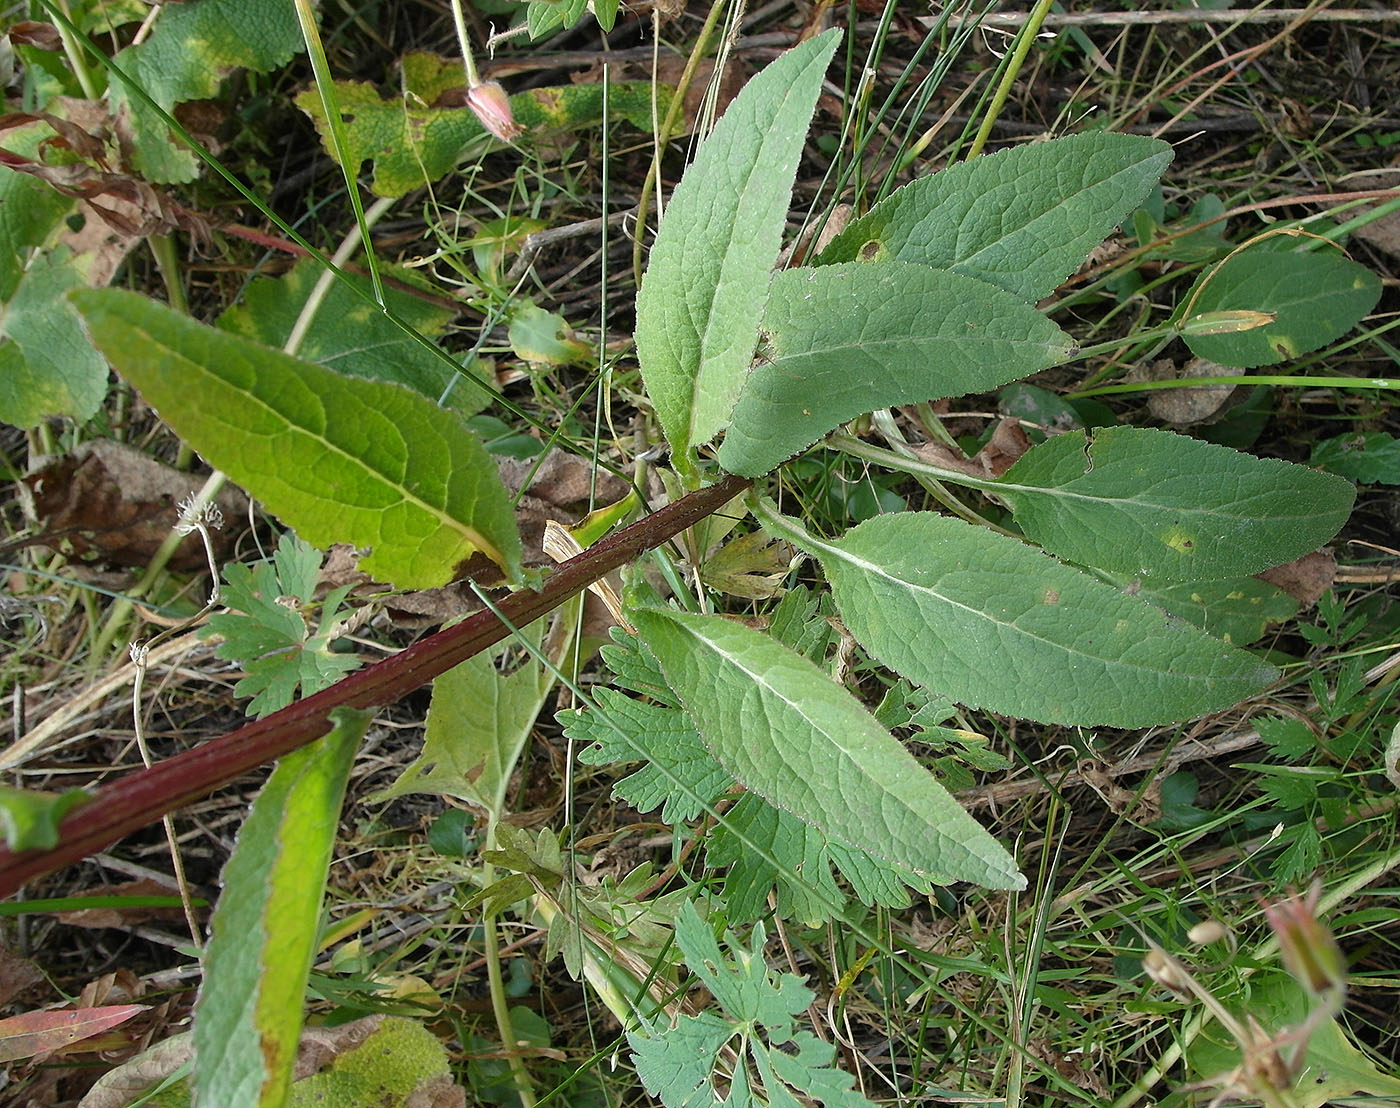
[{"x": 143, "y": 797}]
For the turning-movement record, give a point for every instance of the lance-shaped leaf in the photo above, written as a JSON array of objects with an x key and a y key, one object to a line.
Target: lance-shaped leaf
[
  {"x": 699, "y": 307},
  {"x": 789, "y": 733},
  {"x": 1022, "y": 219},
  {"x": 263, "y": 934},
  {"x": 841, "y": 340},
  {"x": 993, "y": 623},
  {"x": 1136, "y": 500},
  {"x": 336, "y": 458}
]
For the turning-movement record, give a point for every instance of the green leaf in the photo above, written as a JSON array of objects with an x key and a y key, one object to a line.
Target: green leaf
[
  {"x": 995, "y": 624},
  {"x": 29, "y": 818},
  {"x": 352, "y": 336},
  {"x": 788, "y": 732},
  {"x": 338, "y": 459},
  {"x": 768, "y": 851},
  {"x": 272, "y": 640},
  {"x": 680, "y": 1064},
  {"x": 479, "y": 722},
  {"x": 1333, "y": 1069},
  {"x": 47, "y": 366},
  {"x": 1021, "y": 219},
  {"x": 193, "y": 47},
  {"x": 773, "y": 853},
  {"x": 680, "y": 776},
  {"x": 1317, "y": 297},
  {"x": 1236, "y": 609},
  {"x": 1137, "y": 500},
  {"x": 263, "y": 934},
  {"x": 413, "y": 142},
  {"x": 1372, "y": 459},
  {"x": 700, "y": 304},
  {"x": 838, "y": 341}
]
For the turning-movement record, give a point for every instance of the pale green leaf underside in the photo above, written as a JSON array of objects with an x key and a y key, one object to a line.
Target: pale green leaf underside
[
  {"x": 47, "y": 366},
  {"x": 1021, "y": 219},
  {"x": 1317, "y": 297},
  {"x": 479, "y": 721},
  {"x": 838, "y": 341},
  {"x": 1136, "y": 500},
  {"x": 789, "y": 733},
  {"x": 336, "y": 458},
  {"x": 263, "y": 934},
  {"x": 707, "y": 278},
  {"x": 993, "y": 623}
]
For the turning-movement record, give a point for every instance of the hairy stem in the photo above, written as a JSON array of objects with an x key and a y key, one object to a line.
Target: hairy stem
[{"x": 143, "y": 797}]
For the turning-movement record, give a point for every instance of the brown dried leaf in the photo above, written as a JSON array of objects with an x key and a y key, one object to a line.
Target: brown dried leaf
[
  {"x": 108, "y": 502},
  {"x": 1008, "y": 442},
  {"x": 16, "y": 975},
  {"x": 1304, "y": 579},
  {"x": 1186, "y": 405}
]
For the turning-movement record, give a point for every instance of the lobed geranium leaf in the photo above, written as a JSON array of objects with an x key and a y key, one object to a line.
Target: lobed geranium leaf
[{"x": 337, "y": 458}]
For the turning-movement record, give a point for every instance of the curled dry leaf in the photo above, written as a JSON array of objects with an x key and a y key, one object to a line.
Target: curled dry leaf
[
  {"x": 108, "y": 503},
  {"x": 1008, "y": 442},
  {"x": 1188, "y": 404}
]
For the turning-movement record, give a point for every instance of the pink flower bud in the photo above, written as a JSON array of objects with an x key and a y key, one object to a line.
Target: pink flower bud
[{"x": 491, "y": 105}]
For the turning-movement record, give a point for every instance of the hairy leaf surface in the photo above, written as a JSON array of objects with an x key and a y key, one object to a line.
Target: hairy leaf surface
[
  {"x": 995, "y": 624},
  {"x": 707, "y": 279},
  {"x": 1317, "y": 297},
  {"x": 263, "y": 934},
  {"x": 338, "y": 459},
  {"x": 789, "y": 733},
  {"x": 1021, "y": 219},
  {"x": 1137, "y": 500},
  {"x": 838, "y": 341}
]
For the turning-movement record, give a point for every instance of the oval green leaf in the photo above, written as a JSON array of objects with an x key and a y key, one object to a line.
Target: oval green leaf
[
  {"x": 1315, "y": 298},
  {"x": 1141, "y": 501},
  {"x": 993, "y": 623},
  {"x": 841, "y": 340},
  {"x": 1022, "y": 219},
  {"x": 336, "y": 458},
  {"x": 789, "y": 733},
  {"x": 707, "y": 278}
]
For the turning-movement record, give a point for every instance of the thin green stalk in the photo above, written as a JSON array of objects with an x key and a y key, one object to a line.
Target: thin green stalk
[
  {"x": 1255, "y": 959},
  {"x": 663, "y": 134},
  {"x": 325, "y": 86},
  {"x": 1249, "y": 379},
  {"x": 1028, "y": 33},
  {"x": 76, "y": 62},
  {"x": 500, "y": 1003},
  {"x": 168, "y": 262}
]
